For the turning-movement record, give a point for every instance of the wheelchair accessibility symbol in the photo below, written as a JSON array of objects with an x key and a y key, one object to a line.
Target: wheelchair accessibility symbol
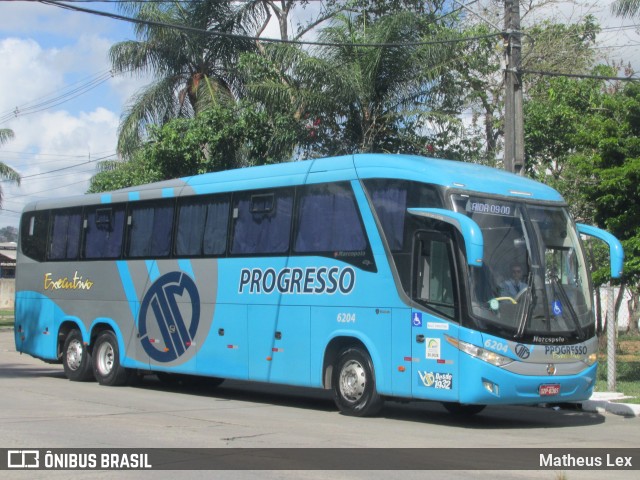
[
  {"x": 557, "y": 308},
  {"x": 170, "y": 310}
]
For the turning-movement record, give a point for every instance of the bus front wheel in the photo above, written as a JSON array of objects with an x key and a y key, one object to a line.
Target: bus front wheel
[
  {"x": 76, "y": 358},
  {"x": 353, "y": 383},
  {"x": 106, "y": 361}
]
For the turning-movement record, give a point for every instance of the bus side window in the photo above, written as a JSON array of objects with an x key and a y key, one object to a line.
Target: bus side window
[
  {"x": 328, "y": 220},
  {"x": 262, "y": 222},
  {"x": 33, "y": 235},
  {"x": 150, "y": 226},
  {"x": 66, "y": 228},
  {"x": 104, "y": 232},
  {"x": 433, "y": 278},
  {"x": 202, "y": 226}
]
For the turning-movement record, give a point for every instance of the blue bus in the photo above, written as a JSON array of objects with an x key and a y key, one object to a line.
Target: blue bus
[{"x": 374, "y": 275}]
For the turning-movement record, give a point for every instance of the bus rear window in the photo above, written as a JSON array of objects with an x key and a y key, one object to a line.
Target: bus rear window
[{"x": 33, "y": 235}]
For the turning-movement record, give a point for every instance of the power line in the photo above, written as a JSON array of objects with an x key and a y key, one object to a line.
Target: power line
[
  {"x": 67, "y": 168},
  {"x": 47, "y": 190},
  {"x": 31, "y": 108},
  {"x": 579, "y": 75},
  {"x": 259, "y": 39},
  {"x": 41, "y": 154},
  {"x": 48, "y": 177}
]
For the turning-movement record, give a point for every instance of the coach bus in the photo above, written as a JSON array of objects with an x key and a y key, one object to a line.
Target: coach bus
[{"x": 374, "y": 275}]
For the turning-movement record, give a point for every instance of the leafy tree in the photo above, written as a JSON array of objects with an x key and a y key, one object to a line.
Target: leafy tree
[
  {"x": 220, "y": 138},
  {"x": 8, "y": 234},
  {"x": 586, "y": 138},
  {"x": 477, "y": 71},
  {"x": 610, "y": 140},
  {"x": 554, "y": 121},
  {"x": 113, "y": 175},
  {"x": 6, "y": 172},
  {"x": 223, "y": 136},
  {"x": 191, "y": 70},
  {"x": 354, "y": 97}
]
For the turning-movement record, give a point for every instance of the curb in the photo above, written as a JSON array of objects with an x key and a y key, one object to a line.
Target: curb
[{"x": 602, "y": 402}]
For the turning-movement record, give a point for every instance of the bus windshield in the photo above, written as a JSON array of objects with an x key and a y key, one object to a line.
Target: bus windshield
[{"x": 533, "y": 285}]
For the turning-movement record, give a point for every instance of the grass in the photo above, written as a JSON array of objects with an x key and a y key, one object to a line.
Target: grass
[{"x": 6, "y": 317}]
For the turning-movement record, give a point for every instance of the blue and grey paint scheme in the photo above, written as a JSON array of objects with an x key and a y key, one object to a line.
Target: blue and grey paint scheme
[{"x": 274, "y": 319}]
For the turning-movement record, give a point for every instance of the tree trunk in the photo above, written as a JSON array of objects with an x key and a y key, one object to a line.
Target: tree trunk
[{"x": 634, "y": 314}]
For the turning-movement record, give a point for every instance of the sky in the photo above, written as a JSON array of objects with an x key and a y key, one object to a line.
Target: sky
[{"x": 58, "y": 97}]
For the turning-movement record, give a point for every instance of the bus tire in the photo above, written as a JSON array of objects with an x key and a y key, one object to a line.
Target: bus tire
[
  {"x": 353, "y": 383},
  {"x": 76, "y": 358},
  {"x": 463, "y": 409},
  {"x": 106, "y": 361}
]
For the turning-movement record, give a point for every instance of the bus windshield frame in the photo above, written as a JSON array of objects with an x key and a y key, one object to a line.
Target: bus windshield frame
[{"x": 534, "y": 285}]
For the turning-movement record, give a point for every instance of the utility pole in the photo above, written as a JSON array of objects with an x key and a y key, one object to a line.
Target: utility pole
[{"x": 513, "y": 118}]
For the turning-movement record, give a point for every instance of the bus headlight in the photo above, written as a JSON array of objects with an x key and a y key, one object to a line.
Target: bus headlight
[
  {"x": 591, "y": 359},
  {"x": 478, "y": 352}
]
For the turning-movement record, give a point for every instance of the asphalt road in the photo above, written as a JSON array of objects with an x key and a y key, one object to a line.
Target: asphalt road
[{"x": 40, "y": 408}]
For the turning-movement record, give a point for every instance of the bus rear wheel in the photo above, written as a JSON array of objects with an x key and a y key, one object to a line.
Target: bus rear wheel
[
  {"x": 353, "y": 383},
  {"x": 106, "y": 361},
  {"x": 76, "y": 358}
]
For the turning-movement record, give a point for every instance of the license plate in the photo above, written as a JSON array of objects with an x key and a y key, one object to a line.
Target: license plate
[{"x": 549, "y": 390}]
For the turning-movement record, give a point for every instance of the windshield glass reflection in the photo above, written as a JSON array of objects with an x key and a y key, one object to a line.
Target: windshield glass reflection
[{"x": 533, "y": 284}]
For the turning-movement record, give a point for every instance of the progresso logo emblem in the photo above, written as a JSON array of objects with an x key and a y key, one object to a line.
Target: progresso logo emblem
[
  {"x": 522, "y": 351},
  {"x": 171, "y": 310}
]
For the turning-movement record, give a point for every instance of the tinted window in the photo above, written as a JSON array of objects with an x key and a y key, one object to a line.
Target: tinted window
[
  {"x": 33, "y": 234},
  {"x": 150, "y": 229},
  {"x": 262, "y": 222},
  {"x": 202, "y": 226},
  {"x": 391, "y": 198},
  {"x": 433, "y": 277},
  {"x": 65, "y": 234},
  {"x": 328, "y": 220},
  {"x": 104, "y": 232}
]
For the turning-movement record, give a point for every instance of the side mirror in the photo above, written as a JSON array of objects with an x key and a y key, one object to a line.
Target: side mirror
[
  {"x": 470, "y": 230},
  {"x": 616, "y": 252}
]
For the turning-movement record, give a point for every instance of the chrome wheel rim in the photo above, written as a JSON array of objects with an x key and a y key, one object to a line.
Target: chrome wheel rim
[
  {"x": 105, "y": 359},
  {"x": 74, "y": 354},
  {"x": 353, "y": 381}
]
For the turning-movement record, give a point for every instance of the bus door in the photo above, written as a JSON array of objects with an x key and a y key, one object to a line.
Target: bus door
[{"x": 434, "y": 360}]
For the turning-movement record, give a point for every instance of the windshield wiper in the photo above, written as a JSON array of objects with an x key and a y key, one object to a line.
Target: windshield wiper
[
  {"x": 567, "y": 302},
  {"x": 525, "y": 310}
]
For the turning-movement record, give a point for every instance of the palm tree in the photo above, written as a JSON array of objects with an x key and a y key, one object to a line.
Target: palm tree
[
  {"x": 356, "y": 98},
  {"x": 626, "y": 8},
  {"x": 6, "y": 172},
  {"x": 190, "y": 69}
]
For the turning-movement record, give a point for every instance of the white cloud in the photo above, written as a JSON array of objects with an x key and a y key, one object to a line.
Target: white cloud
[
  {"x": 56, "y": 154},
  {"x": 47, "y": 52},
  {"x": 57, "y": 137},
  {"x": 28, "y": 72}
]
